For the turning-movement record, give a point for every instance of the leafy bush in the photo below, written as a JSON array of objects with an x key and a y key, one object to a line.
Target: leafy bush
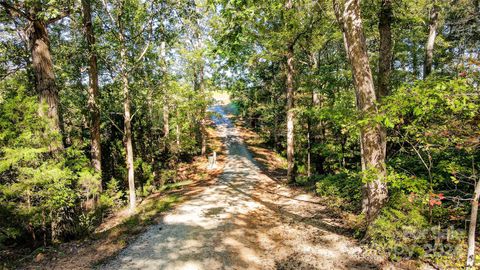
[
  {"x": 112, "y": 197},
  {"x": 403, "y": 231},
  {"x": 37, "y": 186},
  {"x": 84, "y": 224},
  {"x": 144, "y": 176},
  {"x": 397, "y": 231},
  {"x": 345, "y": 187}
]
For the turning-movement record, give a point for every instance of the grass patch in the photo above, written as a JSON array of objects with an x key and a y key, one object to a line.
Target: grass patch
[
  {"x": 147, "y": 212},
  {"x": 174, "y": 186}
]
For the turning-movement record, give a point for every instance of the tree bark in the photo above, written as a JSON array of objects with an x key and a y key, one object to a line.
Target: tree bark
[
  {"x": 317, "y": 158},
  {"x": 199, "y": 88},
  {"x": 127, "y": 118},
  {"x": 384, "y": 61},
  {"x": 385, "y": 54},
  {"x": 165, "y": 108},
  {"x": 93, "y": 93},
  {"x": 177, "y": 131},
  {"x": 290, "y": 117},
  {"x": 166, "y": 125},
  {"x": 45, "y": 80},
  {"x": 371, "y": 139},
  {"x": 203, "y": 113},
  {"x": 471, "y": 230},
  {"x": 432, "y": 34}
]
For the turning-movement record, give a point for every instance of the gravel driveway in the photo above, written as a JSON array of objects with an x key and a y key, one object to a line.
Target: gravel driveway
[{"x": 245, "y": 221}]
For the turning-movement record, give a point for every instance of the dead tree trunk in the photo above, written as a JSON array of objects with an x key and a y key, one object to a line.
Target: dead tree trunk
[
  {"x": 432, "y": 34},
  {"x": 371, "y": 139},
  {"x": 93, "y": 93}
]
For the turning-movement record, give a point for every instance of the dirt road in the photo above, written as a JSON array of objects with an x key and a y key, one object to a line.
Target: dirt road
[{"x": 245, "y": 221}]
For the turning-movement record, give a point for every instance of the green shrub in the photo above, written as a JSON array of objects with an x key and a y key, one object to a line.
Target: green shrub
[
  {"x": 403, "y": 231},
  {"x": 302, "y": 180},
  {"x": 84, "y": 224},
  {"x": 112, "y": 198},
  {"x": 167, "y": 176},
  {"x": 345, "y": 187}
]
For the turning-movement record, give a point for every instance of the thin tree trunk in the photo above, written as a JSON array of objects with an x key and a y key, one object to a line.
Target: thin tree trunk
[
  {"x": 318, "y": 158},
  {"x": 315, "y": 132},
  {"x": 371, "y": 139},
  {"x": 204, "y": 136},
  {"x": 384, "y": 63},
  {"x": 203, "y": 113},
  {"x": 432, "y": 34},
  {"x": 198, "y": 83},
  {"x": 166, "y": 124},
  {"x": 471, "y": 230},
  {"x": 44, "y": 228},
  {"x": 309, "y": 149},
  {"x": 275, "y": 132},
  {"x": 165, "y": 108},
  {"x": 274, "y": 101},
  {"x": 45, "y": 80},
  {"x": 177, "y": 131},
  {"x": 385, "y": 54},
  {"x": 290, "y": 117},
  {"x": 199, "y": 88},
  {"x": 127, "y": 118},
  {"x": 53, "y": 228},
  {"x": 93, "y": 93}
]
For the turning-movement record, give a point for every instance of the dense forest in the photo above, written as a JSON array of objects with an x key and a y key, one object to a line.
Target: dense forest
[{"x": 373, "y": 104}]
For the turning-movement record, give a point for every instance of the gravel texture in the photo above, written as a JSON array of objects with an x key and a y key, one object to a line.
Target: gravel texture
[{"x": 245, "y": 221}]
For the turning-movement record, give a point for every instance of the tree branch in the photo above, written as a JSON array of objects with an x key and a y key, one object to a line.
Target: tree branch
[
  {"x": 64, "y": 14},
  {"x": 140, "y": 57},
  {"x": 10, "y": 7}
]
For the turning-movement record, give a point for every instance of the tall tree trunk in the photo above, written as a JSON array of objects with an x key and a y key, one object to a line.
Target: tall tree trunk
[
  {"x": 45, "y": 80},
  {"x": 198, "y": 75},
  {"x": 385, "y": 55},
  {"x": 290, "y": 117},
  {"x": 166, "y": 124},
  {"x": 317, "y": 158},
  {"x": 165, "y": 109},
  {"x": 309, "y": 148},
  {"x": 127, "y": 118},
  {"x": 204, "y": 135},
  {"x": 203, "y": 113},
  {"x": 471, "y": 230},
  {"x": 93, "y": 93},
  {"x": 177, "y": 131},
  {"x": 199, "y": 88},
  {"x": 275, "y": 126},
  {"x": 432, "y": 34},
  {"x": 384, "y": 62},
  {"x": 371, "y": 139}
]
